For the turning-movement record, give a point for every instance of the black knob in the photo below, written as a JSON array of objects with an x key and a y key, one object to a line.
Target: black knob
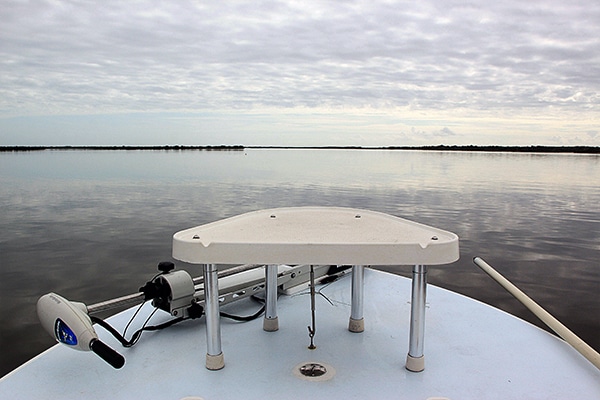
[{"x": 166, "y": 266}]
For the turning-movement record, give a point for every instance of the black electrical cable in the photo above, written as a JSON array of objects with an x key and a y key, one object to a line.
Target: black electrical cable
[
  {"x": 136, "y": 336},
  {"x": 133, "y": 317},
  {"x": 246, "y": 318},
  {"x": 111, "y": 330}
]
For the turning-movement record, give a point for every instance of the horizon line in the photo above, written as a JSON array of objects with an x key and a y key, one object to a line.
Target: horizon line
[{"x": 239, "y": 147}]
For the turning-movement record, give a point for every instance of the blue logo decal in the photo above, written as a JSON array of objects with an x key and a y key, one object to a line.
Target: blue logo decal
[{"x": 64, "y": 334}]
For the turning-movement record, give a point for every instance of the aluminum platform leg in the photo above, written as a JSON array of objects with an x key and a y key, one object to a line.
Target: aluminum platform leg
[
  {"x": 357, "y": 322},
  {"x": 214, "y": 354},
  {"x": 271, "y": 322},
  {"x": 415, "y": 361}
]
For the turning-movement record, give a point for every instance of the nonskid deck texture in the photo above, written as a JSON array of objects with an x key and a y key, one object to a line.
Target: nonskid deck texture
[{"x": 473, "y": 351}]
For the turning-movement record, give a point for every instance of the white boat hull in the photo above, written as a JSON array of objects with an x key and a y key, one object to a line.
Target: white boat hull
[{"x": 473, "y": 351}]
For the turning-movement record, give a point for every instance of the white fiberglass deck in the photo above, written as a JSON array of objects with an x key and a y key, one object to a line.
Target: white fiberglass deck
[
  {"x": 474, "y": 352},
  {"x": 316, "y": 235}
]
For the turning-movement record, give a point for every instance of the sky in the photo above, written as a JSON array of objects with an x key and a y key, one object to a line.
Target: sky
[{"x": 313, "y": 73}]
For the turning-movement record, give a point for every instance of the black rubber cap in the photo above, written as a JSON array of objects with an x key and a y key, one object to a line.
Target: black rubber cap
[{"x": 107, "y": 354}]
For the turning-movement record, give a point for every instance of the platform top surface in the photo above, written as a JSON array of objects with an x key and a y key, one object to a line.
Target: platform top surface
[{"x": 316, "y": 235}]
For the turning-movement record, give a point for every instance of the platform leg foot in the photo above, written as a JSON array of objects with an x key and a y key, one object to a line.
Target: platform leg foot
[
  {"x": 215, "y": 363},
  {"x": 415, "y": 364},
  {"x": 271, "y": 324},
  {"x": 356, "y": 325}
]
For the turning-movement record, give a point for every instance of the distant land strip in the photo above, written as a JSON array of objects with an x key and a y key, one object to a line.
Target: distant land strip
[
  {"x": 163, "y": 147},
  {"x": 495, "y": 149}
]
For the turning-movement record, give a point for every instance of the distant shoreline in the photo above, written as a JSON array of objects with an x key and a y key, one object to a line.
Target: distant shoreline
[{"x": 494, "y": 149}]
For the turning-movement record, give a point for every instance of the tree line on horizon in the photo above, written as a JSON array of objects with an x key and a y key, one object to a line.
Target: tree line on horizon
[{"x": 489, "y": 148}]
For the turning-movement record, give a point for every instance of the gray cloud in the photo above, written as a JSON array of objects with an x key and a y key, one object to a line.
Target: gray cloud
[{"x": 78, "y": 57}]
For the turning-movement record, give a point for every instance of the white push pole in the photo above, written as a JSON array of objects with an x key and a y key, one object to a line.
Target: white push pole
[{"x": 567, "y": 335}]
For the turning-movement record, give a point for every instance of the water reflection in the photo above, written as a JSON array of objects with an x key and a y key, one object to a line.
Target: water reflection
[{"x": 93, "y": 225}]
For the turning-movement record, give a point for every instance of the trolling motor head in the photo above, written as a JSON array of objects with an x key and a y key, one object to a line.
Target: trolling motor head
[{"x": 69, "y": 323}]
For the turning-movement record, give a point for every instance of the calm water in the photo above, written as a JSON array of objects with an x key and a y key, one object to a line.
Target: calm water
[{"x": 93, "y": 225}]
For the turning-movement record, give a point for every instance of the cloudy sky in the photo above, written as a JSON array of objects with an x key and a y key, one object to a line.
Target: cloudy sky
[{"x": 372, "y": 73}]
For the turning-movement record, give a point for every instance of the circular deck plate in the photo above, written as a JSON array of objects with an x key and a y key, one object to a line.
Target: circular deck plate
[{"x": 322, "y": 371}]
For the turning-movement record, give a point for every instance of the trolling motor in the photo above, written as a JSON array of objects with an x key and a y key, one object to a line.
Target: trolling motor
[
  {"x": 172, "y": 291},
  {"x": 70, "y": 324}
]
